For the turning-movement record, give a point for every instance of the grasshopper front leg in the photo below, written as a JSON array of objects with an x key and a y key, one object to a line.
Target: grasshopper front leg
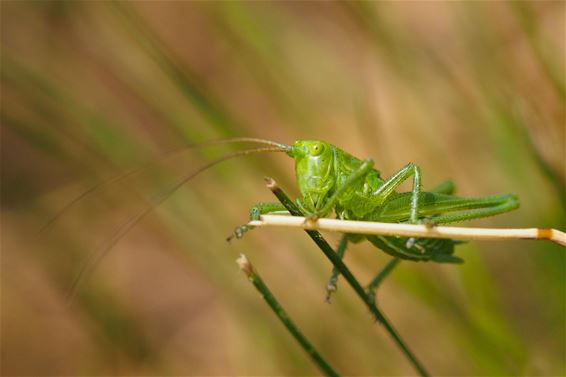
[
  {"x": 359, "y": 173},
  {"x": 255, "y": 212}
]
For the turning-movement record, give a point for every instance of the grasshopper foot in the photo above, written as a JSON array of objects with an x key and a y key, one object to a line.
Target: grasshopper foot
[
  {"x": 330, "y": 289},
  {"x": 239, "y": 232}
]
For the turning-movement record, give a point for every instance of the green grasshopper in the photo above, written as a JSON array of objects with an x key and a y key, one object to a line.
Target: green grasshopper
[{"x": 332, "y": 179}]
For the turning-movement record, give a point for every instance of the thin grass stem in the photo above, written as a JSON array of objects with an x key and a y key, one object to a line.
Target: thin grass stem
[
  {"x": 259, "y": 284},
  {"x": 349, "y": 277}
]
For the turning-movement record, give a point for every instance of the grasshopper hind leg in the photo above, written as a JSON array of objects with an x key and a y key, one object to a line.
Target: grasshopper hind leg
[
  {"x": 440, "y": 209},
  {"x": 481, "y": 207}
]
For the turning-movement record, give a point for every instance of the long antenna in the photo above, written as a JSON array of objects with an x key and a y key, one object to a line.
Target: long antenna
[
  {"x": 239, "y": 140},
  {"x": 155, "y": 201},
  {"x": 167, "y": 154}
]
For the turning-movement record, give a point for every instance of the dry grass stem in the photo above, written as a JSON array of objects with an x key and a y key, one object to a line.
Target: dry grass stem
[{"x": 408, "y": 230}]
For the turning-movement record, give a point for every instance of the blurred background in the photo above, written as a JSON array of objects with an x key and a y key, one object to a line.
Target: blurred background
[{"x": 474, "y": 91}]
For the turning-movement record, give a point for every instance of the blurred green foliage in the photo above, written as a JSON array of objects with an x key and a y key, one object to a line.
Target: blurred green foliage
[{"x": 474, "y": 91}]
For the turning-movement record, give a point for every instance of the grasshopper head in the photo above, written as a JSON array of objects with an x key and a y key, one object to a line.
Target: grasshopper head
[{"x": 314, "y": 162}]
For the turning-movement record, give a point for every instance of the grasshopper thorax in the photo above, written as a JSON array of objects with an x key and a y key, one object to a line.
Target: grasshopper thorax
[{"x": 314, "y": 168}]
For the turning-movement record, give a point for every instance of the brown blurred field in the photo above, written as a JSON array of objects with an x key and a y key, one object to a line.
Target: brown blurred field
[{"x": 473, "y": 91}]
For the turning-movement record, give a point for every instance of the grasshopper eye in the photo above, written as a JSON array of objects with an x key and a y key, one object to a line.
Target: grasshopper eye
[{"x": 316, "y": 148}]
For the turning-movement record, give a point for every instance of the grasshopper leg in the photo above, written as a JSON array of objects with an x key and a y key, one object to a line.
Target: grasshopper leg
[
  {"x": 445, "y": 187},
  {"x": 255, "y": 212},
  {"x": 389, "y": 186},
  {"x": 331, "y": 287},
  {"x": 489, "y": 206},
  {"x": 360, "y": 172}
]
